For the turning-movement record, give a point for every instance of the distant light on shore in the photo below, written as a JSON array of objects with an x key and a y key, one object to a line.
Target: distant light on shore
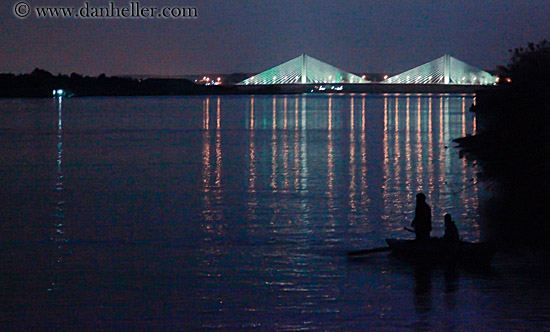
[{"x": 58, "y": 92}]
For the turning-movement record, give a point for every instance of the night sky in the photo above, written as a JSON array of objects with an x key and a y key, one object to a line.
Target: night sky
[{"x": 251, "y": 36}]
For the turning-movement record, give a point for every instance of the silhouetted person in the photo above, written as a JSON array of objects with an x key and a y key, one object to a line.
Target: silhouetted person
[
  {"x": 451, "y": 232},
  {"x": 422, "y": 222}
]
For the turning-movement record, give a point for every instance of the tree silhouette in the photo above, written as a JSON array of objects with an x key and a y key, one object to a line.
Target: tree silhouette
[{"x": 513, "y": 150}]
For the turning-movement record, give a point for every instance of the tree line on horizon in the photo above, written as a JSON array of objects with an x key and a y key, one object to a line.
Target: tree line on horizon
[{"x": 40, "y": 83}]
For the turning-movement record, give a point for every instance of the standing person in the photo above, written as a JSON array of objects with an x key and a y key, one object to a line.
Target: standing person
[{"x": 422, "y": 222}]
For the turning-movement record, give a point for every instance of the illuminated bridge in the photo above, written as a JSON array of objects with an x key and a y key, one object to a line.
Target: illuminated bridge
[
  {"x": 306, "y": 74},
  {"x": 303, "y": 70},
  {"x": 444, "y": 70}
]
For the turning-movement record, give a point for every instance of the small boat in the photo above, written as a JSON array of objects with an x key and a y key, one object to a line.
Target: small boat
[{"x": 437, "y": 251}]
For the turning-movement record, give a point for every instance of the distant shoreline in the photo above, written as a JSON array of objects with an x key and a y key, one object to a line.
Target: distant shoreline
[{"x": 42, "y": 84}]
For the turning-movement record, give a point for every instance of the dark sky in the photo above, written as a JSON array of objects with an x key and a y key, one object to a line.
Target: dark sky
[{"x": 251, "y": 36}]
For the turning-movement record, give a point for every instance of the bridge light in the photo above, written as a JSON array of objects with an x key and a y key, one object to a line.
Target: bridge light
[{"x": 385, "y": 77}]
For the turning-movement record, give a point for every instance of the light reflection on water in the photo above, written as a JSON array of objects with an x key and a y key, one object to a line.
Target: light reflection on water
[
  {"x": 415, "y": 153},
  {"x": 235, "y": 213}
]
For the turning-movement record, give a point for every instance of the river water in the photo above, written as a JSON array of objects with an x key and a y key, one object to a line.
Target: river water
[{"x": 235, "y": 213}]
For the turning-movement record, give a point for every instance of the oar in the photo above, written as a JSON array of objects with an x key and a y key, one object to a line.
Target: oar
[
  {"x": 367, "y": 251},
  {"x": 373, "y": 250}
]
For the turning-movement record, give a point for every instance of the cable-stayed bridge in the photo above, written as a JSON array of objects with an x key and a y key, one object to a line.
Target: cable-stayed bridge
[
  {"x": 305, "y": 74},
  {"x": 444, "y": 70},
  {"x": 303, "y": 70}
]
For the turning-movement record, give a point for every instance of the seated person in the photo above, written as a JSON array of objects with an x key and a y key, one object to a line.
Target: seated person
[{"x": 451, "y": 232}]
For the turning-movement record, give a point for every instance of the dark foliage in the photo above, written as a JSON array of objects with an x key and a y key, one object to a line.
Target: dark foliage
[
  {"x": 513, "y": 148},
  {"x": 529, "y": 67}
]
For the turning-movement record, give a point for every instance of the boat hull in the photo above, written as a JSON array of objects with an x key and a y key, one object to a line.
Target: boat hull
[{"x": 437, "y": 251}]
